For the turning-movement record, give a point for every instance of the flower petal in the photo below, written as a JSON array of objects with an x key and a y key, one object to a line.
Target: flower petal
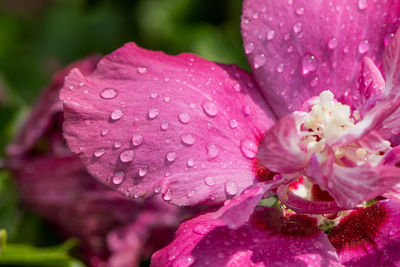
[
  {"x": 42, "y": 116},
  {"x": 294, "y": 59},
  {"x": 391, "y": 65},
  {"x": 268, "y": 240},
  {"x": 280, "y": 151},
  {"x": 236, "y": 212},
  {"x": 145, "y": 122},
  {"x": 369, "y": 236}
]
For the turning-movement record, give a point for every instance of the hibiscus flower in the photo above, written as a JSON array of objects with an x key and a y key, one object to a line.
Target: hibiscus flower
[{"x": 316, "y": 120}]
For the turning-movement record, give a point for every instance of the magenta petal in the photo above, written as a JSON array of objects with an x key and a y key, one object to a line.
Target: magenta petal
[
  {"x": 391, "y": 65},
  {"x": 294, "y": 59},
  {"x": 352, "y": 185},
  {"x": 236, "y": 212},
  {"x": 145, "y": 122},
  {"x": 42, "y": 116},
  {"x": 280, "y": 151},
  {"x": 369, "y": 236},
  {"x": 268, "y": 240}
]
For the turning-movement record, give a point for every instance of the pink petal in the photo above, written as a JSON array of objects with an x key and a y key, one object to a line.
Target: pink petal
[
  {"x": 352, "y": 185},
  {"x": 280, "y": 151},
  {"x": 299, "y": 48},
  {"x": 391, "y": 65},
  {"x": 369, "y": 236},
  {"x": 390, "y": 129},
  {"x": 236, "y": 212},
  {"x": 268, "y": 240},
  {"x": 179, "y": 125},
  {"x": 48, "y": 106}
]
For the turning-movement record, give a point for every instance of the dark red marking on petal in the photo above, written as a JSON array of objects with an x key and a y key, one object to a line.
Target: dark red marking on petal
[
  {"x": 359, "y": 227},
  {"x": 262, "y": 173},
  {"x": 320, "y": 195},
  {"x": 295, "y": 185},
  {"x": 294, "y": 225}
]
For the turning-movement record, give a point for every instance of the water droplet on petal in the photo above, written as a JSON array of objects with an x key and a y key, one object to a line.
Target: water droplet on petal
[
  {"x": 314, "y": 82},
  {"x": 388, "y": 38},
  {"x": 153, "y": 95},
  {"x": 249, "y": 48},
  {"x": 117, "y": 114},
  {"x": 118, "y": 178},
  {"x": 259, "y": 60},
  {"x": 297, "y": 27},
  {"x": 184, "y": 117},
  {"x": 167, "y": 99},
  {"x": 201, "y": 229},
  {"x": 362, "y": 4},
  {"x": 363, "y": 47},
  {"x": 332, "y": 43},
  {"x": 171, "y": 156},
  {"x": 246, "y": 110},
  {"x": 104, "y": 132},
  {"x": 187, "y": 139},
  {"x": 190, "y": 162},
  {"x": 279, "y": 68},
  {"x": 117, "y": 144},
  {"x": 153, "y": 113},
  {"x": 270, "y": 35},
  {"x": 108, "y": 93},
  {"x": 143, "y": 171},
  {"x": 231, "y": 188},
  {"x": 248, "y": 148},
  {"x": 164, "y": 126},
  {"x": 300, "y": 11},
  {"x": 212, "y": 151},
  {"x": 210, "y": 109},
  {"x": 137, "y": 139},
  {"x": 127, "y": 156},
  {"x": 209, "y": 180},
  {"x": 190, "y": 194},
  {"x": 142, "y": 70},
  {"x": 167, "y": 196},
  {"x": 99, "y": 152},
  {"x": 309, "y": 63},
  {"x": 233, "y": 123}
]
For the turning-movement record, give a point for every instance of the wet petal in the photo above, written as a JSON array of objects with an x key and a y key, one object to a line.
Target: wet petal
[
  {"x": 280, "y": 151},
  {"x": 294, "y": 59},
  {"x": 369, "y": 236},
  {"x": 391, "y": 65},
  {"x": 268, "y": 240},
  {"x": 179, "y": 125},
  {"x": 236, "y": 212},
  {"x": 42, "y": 116}
]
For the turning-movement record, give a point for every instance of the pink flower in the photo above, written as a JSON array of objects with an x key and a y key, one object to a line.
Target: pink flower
[
  {"x": 114, "y": 230},
  {"x": 318, "y": 111}
]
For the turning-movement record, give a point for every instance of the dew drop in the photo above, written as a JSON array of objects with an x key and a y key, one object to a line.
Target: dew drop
[
  {"x": 259, "y": 60},
  {"x": 270, "y": 35},
  {"x": 99, "y": 152},
  {"x": 164, "y": 126},
  {"x": 297, "y": 27},
  {"x": 201, "y": 229},
  {"x": 233, "y": 123},
  {"x": 167, "y": 99},
  {"x": 153, "y": 113},
  {"x": 279, "y": 68},
  {"x": 153, "y": 95},
  {"x": 118, "y": 178},
  {"x": 143, "y": 171},
  {"x": 363, "y": 47},
  {"x": 117, "y": 144},
  {"x": 212, "y": 151},
  {"x": 81, "y": 84},
  {"x": 137, "y": 139},
  {"x": 237, "y": 87},
  {"x": 167, "y": 196},
  {"x": 309, "y": 63},
  {"x": 127, "y": 156},
  {"x": 184, "y": 117},
  {"x": 300, "y": 11},
  {"x": 362, "y": 4},
  {"x": 104, "y": 132},
  {"x": 388, "y": 38},
  {"x": 108, "y": 93},
  {"x": 190, "y": 194},
  {"x": 190, "y": 163},
  {"x": 314, "y": 82},
  {"x": 209, "y": 180},
  {"x": 116, "y": 114},
  {"x": 248, "y": 148},
  {"x": 171, "y": 156},
  {"x": 332, "y": 43},
  {"x": 187, "y": 139},
  {"x": 210, "y": 109},
  {"x": 142, "y": 70},
  {"x": 231, "y": 188},
  {"x": 249, "y": 48},
  {"x": 246, "y": 110}
]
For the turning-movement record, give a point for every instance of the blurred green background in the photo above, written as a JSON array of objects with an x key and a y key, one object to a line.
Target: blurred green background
[{"x": 38, "y": 37}]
